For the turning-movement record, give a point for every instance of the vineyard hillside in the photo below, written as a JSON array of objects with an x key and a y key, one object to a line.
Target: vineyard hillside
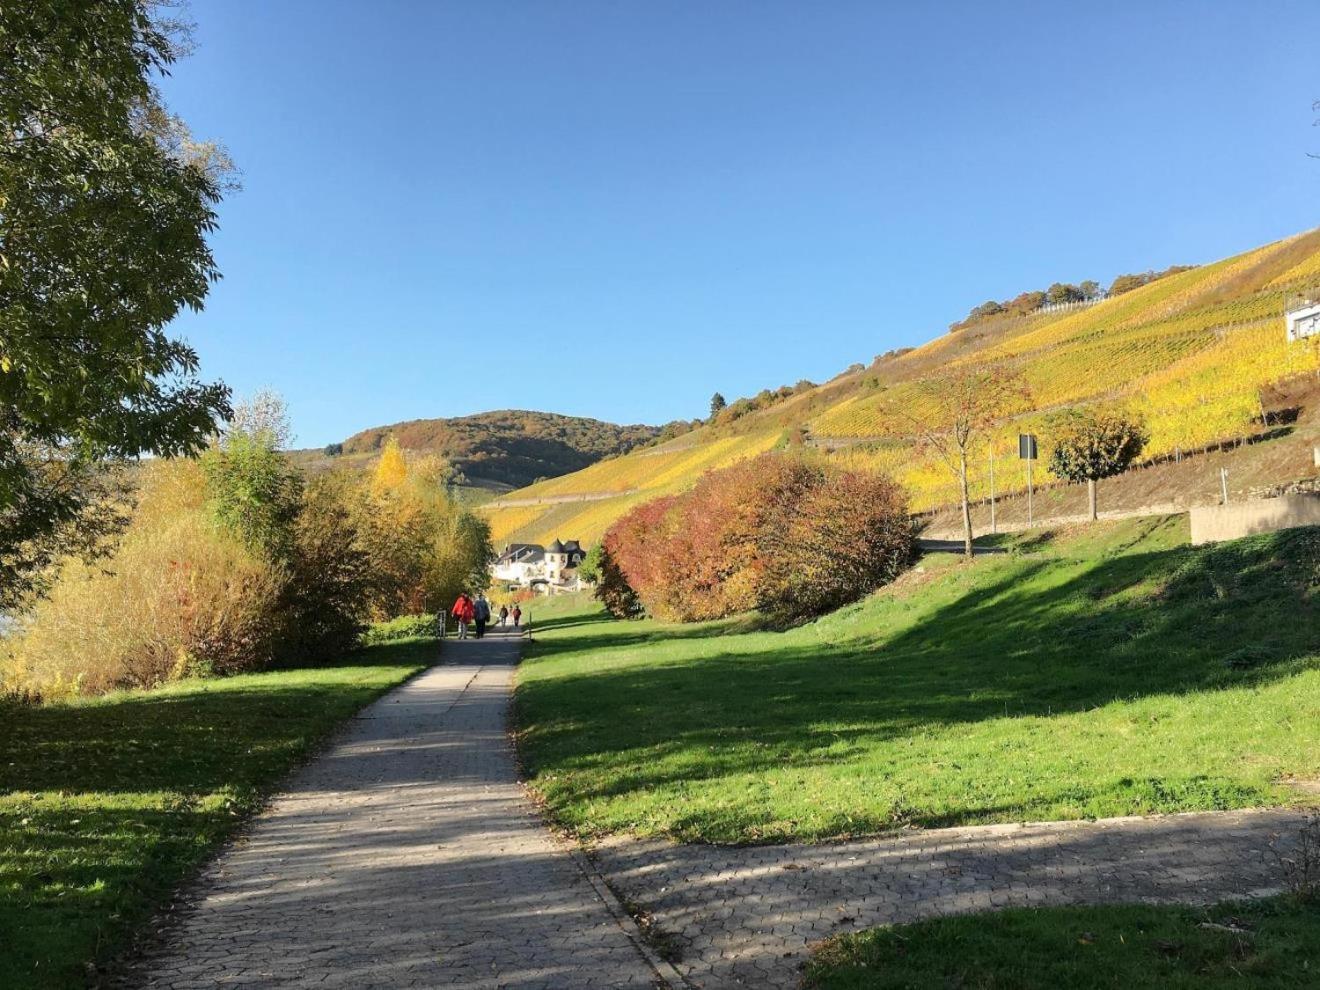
[{"x": 1202, "y": 355}]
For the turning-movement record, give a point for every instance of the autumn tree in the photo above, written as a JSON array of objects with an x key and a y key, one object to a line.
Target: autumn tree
[
  {"x": 1063, "y": 292},
  {"x": 1095, "y": 443},
  {"x": 951, "y": 410},
  {"x": 106, "y": 202},
  {"x": 391, "y": 469}
]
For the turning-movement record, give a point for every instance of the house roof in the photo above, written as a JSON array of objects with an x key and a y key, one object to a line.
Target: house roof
[
  {"x": 555, "y": 547},
  {"x": 516, "y": 553}
]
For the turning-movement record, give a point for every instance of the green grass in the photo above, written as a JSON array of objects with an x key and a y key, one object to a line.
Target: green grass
[
  {"x": 1123, "y": 948},
  {"x": 1111, "y": 671},
  {"x": 106, "y": 805}
]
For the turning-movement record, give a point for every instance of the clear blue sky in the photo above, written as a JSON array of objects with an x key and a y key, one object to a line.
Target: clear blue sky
[{"x": 614, "y": 209}]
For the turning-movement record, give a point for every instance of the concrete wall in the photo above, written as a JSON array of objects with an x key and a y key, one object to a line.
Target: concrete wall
[{"x": 1227, "y": 522}]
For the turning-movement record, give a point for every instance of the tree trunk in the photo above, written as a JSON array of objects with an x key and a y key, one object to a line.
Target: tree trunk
[
  {"x": 966, "y": 504},
  {"x": 1090, "y": 493}
]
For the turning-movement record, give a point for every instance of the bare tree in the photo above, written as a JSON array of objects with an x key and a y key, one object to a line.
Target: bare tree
[{"x": 964, "y": 402}]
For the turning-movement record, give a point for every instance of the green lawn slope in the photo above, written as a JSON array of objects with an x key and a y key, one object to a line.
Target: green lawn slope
[{"x": 1111, "y": 670}]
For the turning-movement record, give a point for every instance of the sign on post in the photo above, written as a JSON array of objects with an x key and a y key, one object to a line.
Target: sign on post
[{"x": 1028, "y": 452}]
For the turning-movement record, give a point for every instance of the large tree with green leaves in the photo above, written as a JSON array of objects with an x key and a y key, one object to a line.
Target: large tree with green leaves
[
  {"x": 105, "y": 206},
  {"x": 1090, "y": 444}
]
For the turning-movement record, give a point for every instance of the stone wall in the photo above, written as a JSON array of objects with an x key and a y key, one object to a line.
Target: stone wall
[{"x": 1211, "y": 523}]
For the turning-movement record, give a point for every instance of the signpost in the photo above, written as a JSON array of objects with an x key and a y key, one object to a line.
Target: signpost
[{"x": 1028, "y": 452}]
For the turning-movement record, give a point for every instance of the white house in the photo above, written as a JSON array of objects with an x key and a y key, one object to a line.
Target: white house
[{"x": 530, "y": 565}]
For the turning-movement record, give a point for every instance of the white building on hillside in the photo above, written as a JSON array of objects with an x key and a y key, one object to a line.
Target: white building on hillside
[{"x": 530, "y": 565}]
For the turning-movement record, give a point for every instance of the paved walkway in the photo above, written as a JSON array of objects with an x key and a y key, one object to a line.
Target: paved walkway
[
  {"x": 407, "y": 855},
  {"x": 746, "y": 916}
]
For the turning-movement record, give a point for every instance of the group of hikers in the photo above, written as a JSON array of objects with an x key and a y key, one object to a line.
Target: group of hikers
[{"x": 476, "y": 612}]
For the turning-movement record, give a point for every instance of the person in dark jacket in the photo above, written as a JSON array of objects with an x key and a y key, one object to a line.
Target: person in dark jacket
[{"x": 481, "y": 614}]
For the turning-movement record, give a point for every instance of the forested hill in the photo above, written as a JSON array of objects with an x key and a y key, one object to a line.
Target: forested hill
[{"x": 510, "y": 446}]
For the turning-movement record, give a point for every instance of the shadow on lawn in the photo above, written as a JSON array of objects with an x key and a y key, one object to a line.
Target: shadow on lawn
[{"x": 1036, "y": 637}]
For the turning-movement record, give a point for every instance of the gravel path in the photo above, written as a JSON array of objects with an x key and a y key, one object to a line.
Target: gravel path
[
  {"x": 407, "y": 855},
  {"x": 746, "y": 916}
]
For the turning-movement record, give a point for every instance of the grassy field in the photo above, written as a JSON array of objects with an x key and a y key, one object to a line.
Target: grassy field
[
  {"x": 107, "y": 805},
  {"x": 1087, "y": 948},
  {"x": 1110, "y": 670}
]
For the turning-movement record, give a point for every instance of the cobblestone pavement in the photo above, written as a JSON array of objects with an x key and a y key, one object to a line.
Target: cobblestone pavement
[
  {"x": 406, "y": 855},
  {"x": 746, "y": 916}
]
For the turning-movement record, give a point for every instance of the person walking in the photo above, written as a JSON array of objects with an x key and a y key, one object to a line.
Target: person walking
[
  {"x": 517, "y": 616},
  {"x": 504, "y": 616},
  {"x": 481, "y": 614},
  {"x": 464, "y": 611}
]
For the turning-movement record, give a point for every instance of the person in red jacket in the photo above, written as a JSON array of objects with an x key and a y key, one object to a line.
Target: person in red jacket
[{"x": 463, "y": 610}]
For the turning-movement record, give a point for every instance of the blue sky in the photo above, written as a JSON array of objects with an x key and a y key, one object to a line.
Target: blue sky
[{"x": 614, "y": 209}]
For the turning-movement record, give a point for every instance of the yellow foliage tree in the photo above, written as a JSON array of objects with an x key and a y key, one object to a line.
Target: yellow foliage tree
[{"x": 391, "y": 470}]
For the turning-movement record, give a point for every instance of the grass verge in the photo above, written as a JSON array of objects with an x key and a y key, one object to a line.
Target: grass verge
[
  {"x": 1107, "y": 670},
  {"x": 107, "y": 805},
  {"x": 1258, "y": 944}
]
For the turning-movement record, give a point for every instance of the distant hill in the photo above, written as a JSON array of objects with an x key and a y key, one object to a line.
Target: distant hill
[
  {"x": 510, "y": 447},
  {"x": 1200, "y": 353}
]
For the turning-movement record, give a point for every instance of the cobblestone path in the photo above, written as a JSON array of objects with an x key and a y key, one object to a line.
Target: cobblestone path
[
  {"x": 745, "y": 916},
  {"x": 406, "y": 855}
]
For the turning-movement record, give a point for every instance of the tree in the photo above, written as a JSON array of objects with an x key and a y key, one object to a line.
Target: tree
[
  {"x": 1094, "y": 444},
  {"x": 1090, "y": 289},
  {"x": 250, "y": 487},
  {"x": 952, "y": 409},
  {"x": 1126, "y": 283},
  {"x": 589, "y": 569},
  {"x": 105, "y": 206},
  {"x": 717, "y": 403},
  {"x": 987, "y": 308},
  {"x": 1026, "y": 302},
  {"x": 391, "y": 469},
  {"x": 1063, "y": 292}
]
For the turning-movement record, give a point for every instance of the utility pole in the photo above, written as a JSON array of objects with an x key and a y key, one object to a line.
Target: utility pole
[{"x": 993, "y": 527}]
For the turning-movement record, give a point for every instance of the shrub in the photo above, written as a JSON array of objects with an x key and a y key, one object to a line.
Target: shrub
[
  {"x": 782, "y": 534},
  {"x": 328, "y": 570},
  {"x": 845, "y": 536},
  {"x": 613, "y": 590},
  {"x": 181, "y": 596},
  {"x": 402, "y": 627}
]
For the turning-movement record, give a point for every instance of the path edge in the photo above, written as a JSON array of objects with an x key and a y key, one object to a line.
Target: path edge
[{"x": 664, "y": 970}]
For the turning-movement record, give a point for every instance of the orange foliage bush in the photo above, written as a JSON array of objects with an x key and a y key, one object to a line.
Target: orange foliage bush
[{"x": 786, "y": 535}]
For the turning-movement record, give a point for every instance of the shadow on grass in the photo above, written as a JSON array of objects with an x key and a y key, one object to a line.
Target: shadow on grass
[{"x": 1033, "y": 636}]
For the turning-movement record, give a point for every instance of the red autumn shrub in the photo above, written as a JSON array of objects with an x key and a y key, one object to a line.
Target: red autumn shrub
[
  {"x": 778, "y": 533},
  {"x": 836, "y": 541}
]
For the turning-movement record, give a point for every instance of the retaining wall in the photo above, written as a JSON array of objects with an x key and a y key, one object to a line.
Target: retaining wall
[{"x": 1227, "y": 522}]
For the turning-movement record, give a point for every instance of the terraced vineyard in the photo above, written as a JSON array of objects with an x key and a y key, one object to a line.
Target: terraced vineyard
[{"x": 1193, "y": 352}]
